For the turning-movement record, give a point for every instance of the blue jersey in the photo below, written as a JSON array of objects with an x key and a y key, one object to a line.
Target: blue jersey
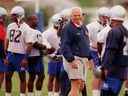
[{"x": 113, "y": 58}]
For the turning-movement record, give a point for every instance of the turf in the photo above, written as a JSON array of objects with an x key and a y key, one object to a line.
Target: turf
[{"x": 15, "y": 80}]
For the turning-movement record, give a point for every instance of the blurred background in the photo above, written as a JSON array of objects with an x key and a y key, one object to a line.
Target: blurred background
[{"x": 46, "y": 8}]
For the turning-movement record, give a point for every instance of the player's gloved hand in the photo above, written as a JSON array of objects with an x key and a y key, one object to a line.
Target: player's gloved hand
[
  {"x": 50, "y": 50},
  {"x": 6, "y": 62},
  {"x": 24, "y": 63},
  {"x": 98, "y": 71}
]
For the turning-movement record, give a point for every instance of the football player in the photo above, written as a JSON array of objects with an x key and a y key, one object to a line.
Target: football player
[
  {"x": 18, "y": 46},
  {"x": 114, "y": 60},
  {"x": 3, "y": 13},
  {"x": 94, "y": 28},
  {"x": 35, "y": 59},
  {"x": 54, "y": 65}
]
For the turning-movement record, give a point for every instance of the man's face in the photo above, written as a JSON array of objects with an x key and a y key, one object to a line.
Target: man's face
[
  {"x": 2, "y": 18},
  {"x": 76, "y": 16},
  {"x": 104, "y": 19},
  {"x": 14, "y": 17},
  {"x": 115, "y": 23},
  {"x": 34, "y": 21}
]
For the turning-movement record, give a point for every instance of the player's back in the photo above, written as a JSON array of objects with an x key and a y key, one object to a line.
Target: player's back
[
  {"x": 94, "y": 28},
  {"x": 52, "y": 38}
]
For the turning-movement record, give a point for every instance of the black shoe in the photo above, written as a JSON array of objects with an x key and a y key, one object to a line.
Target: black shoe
[{"x": 126, "y": 93}]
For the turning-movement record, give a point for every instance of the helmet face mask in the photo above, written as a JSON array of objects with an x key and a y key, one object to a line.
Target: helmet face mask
[
  {"x": 104, "y": 20},
  {"x": 103, "y": 15},
  {"x": 14, "y": 17}
]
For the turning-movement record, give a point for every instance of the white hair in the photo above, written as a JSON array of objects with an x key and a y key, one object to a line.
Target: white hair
[{"x": 76, "y": 8}]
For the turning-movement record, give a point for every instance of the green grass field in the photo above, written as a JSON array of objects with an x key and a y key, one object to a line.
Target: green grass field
[{"x": 15, "y": 81}]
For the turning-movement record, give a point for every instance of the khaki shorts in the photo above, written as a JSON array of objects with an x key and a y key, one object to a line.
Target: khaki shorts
[{"x": 80, "y": 72}]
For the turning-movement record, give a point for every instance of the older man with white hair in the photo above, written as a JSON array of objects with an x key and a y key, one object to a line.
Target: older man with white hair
[{"x": 75, "y": 49}]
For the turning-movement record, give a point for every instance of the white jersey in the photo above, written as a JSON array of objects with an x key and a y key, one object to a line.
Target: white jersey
[
  {"x": 94, "y": 28},
  {"x": 102, "y": 37},
  {"x": 51, "y": 35},
  {"x": 125, "y": 50},
  {"x": 18, "y": 37},
  {"x": 37, "y": 37}
]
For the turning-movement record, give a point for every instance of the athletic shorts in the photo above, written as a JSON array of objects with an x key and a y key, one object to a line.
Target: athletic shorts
[
  {"x": 54, "y": 67},
  {"x": 35, "y": 65},
  {"x": 2, "y": 66},
  {"x": 80, "y": 72},
  {"x": 15, "y": 60}
]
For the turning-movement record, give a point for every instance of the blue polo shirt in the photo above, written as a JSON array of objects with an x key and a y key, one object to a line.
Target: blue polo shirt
[{"x": 75, "y": 42}]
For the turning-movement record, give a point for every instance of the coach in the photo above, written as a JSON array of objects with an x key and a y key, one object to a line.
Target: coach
[{"x": 75, "y": 49}]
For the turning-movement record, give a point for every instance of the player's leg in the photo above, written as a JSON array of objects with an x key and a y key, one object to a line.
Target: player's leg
[
  {"x": 57, "y": 77},
  {"x": 96, "y": 86},
  {"x": 2, "y": 72},
  {"x": 32, "y": 75},
  {"x": 96, "y": 82},
  {"x": 39, "y": 71},
  {"x": 31, "y": 84},
  {"x": 10, "y": 68},
  {"x": 50, "y": 85},
  {"x": 1, "y": 78},
  {"x": 84, "y": 90},
  {"x": 8, "y": 83},
  {"x": 39, "y": 84},
  {"x": 22, "y": 76},
  {"x": 51, "y": 77},
  {"x": 126, "y": 88},
  {"x": 65, "y": 84}
]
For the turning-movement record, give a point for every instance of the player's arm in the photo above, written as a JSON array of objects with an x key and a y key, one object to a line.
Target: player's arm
[{"x": 6, "y": 43}]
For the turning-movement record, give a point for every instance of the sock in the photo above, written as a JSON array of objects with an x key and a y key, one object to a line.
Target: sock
[
  {"x": 50, "y": 94},
  {"x": 30, "y": 94},
  {"x": 96, "y": 93},
  {"x": 84, "y": 91},
  {"x": 7, "y": 94},
  {"x": 38, "y": 93},
  {"x": 22, "y": 94},
  {"x": 56, "y": 94}
]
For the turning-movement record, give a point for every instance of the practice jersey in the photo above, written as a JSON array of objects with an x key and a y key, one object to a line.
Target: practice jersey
[
  {"x": 125, "y": 50},
  {"x": 94, "y": 28},
  {"x": 51, "y": 36},
  {"x": 37, "y": 37},
  {"x": 102, "y": 37},
  {"x": 18, "y": 37}
]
